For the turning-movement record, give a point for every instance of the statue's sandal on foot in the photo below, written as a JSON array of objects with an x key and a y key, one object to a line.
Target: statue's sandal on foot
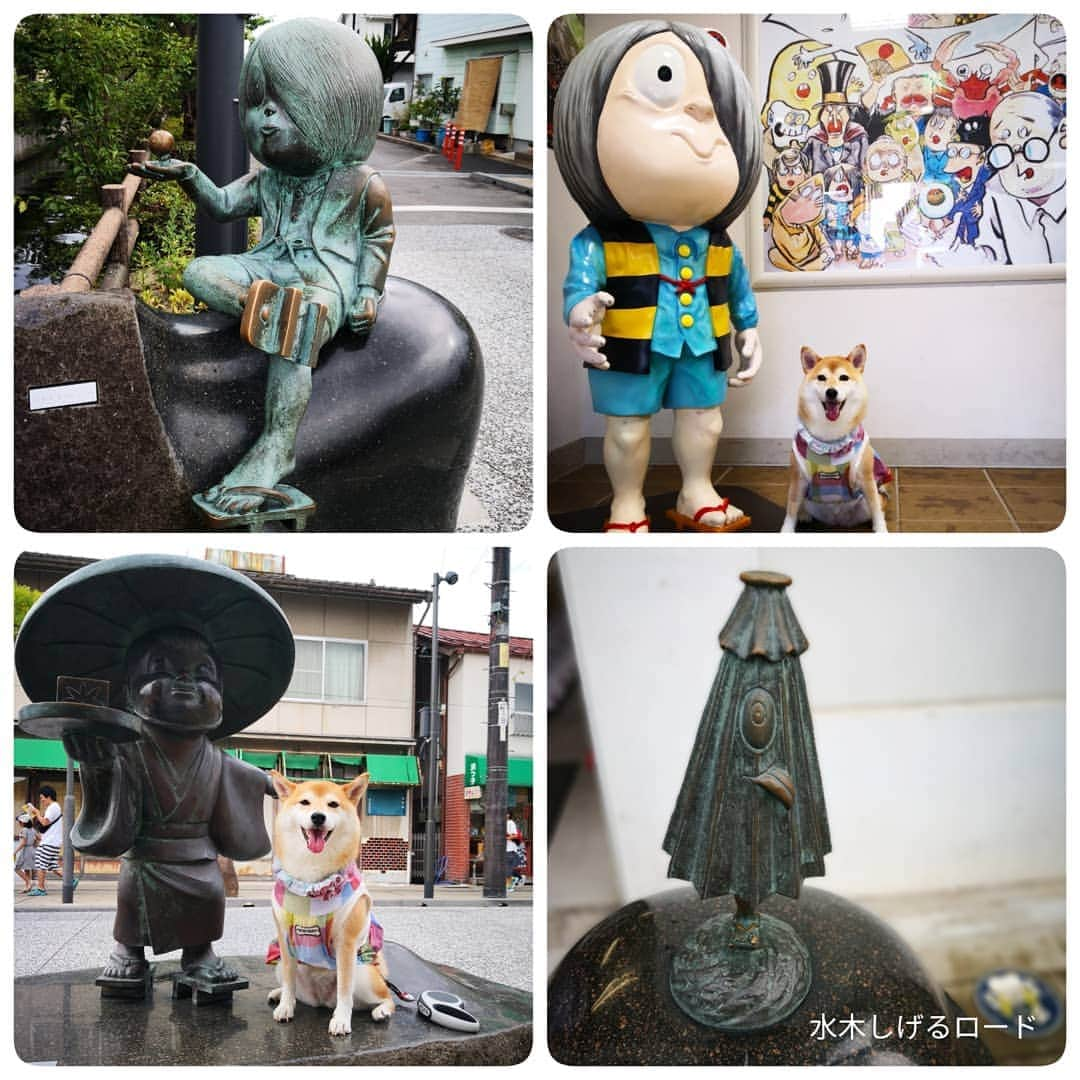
[
  {"x": 278, "y": 320},
  {"x": 695, "y": 524}
]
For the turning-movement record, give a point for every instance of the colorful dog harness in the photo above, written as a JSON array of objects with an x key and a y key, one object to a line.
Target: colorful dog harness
[
  {"x": 830, "y": 470},
  {"x": 308, "y": 909}
]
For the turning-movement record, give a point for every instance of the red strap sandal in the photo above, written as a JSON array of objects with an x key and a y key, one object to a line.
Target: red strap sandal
[
  {"x": 695, "y": 524},
  {"x": 626, "y": 526}
]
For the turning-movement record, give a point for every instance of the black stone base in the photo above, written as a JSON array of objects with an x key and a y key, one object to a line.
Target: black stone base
[
  {"x": 765, "y": 516},
  {"x": 63, "y": 1018},
  {"x": 609, "y": 1002}
]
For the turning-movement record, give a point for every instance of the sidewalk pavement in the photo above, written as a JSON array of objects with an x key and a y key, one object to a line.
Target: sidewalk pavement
[
  {"x": 99, "y": 894},
  {"x": 483, "y": 168}
]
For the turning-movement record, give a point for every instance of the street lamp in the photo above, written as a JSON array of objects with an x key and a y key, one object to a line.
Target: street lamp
[{"x": 433, "y": 742}]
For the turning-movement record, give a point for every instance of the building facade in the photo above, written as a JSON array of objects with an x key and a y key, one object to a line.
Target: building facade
[{"x": 348, "y": 709}]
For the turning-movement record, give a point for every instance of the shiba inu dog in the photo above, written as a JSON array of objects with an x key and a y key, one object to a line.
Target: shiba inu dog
[
  {"x": 834, "y": 476},
  {"x": 329, "y": 944}
]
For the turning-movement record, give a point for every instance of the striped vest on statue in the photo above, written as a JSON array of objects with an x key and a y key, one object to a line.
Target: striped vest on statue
[{"x": 632, "y": 266}]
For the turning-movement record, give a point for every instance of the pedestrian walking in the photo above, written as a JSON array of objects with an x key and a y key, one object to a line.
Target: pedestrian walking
[
  {"x": 25, "y": 842},
  {"x": 48, "y": 821}
]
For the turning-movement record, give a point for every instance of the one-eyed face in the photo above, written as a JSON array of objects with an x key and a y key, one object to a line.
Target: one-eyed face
[
  {"x": 174, "y": 683},
  {"x": 273, "y": 137},
  {"x": 662, "y": 152}
]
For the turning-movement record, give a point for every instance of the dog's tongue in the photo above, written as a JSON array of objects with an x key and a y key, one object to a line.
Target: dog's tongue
[
  {"x": 832, "y": 409},
  {"x": 316, "y": 840}
]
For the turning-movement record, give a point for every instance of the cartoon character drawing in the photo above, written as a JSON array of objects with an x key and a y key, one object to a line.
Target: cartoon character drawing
[
  {"x": 969, "y": 90},
  {"x": 888, "y": 195},
  {"x": 658, "y": 141},
  {"x": 798, "y": 240},
  {"x": 793, "y": 75},
  {"x": 788, "y": 172},
  {"x": 1023, "y": 217},
  {"x": 940, "y": 130},
  {"x": 967, "y": 167},
  {"x": 837, "y": 139},
  {"x": 902, "y": 128},
  {"x": 843, "y": 184},
  {"x": 786, "y": 126}
]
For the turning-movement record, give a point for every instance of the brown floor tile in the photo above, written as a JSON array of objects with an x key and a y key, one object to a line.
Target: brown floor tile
[
  {"x": 951, "y": 502},
  {"x": 662, "y": 478},
  {"x": 1034, "y": 504},
  {"x": 578, "y": 495},
  {"x": 1040, "y": 478},
  {"x": 752, "y": 475},
  {"x": 948, "y": 525},
  {"x": 1038, "y": 526},
  {"x": 918, "y": 474}
]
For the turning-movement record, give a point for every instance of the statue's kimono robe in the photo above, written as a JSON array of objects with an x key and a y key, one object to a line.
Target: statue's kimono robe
[{"x": 169, "y": 807}]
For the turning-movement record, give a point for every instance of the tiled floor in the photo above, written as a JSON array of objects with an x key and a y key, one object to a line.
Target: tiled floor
[{"x": 923, "y": 499}]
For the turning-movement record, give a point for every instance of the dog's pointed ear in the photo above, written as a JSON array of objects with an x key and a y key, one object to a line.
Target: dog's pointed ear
[
  {"x": 354, "y": 789},
  {"x": 857, "y": 357},
  {"x": 809, "y": 358},
  {"x": 282, "y": 786}
]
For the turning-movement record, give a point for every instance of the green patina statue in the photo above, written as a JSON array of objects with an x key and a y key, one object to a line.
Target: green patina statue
[
  {"x": 310, "y": 104},
  {"x": 750, "y": 819}
]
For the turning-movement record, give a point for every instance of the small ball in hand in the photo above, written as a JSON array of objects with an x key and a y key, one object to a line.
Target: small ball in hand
[{"x": 161, "y": 143}]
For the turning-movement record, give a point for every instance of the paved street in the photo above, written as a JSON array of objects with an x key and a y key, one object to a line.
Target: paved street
[
  {"x": 458, "y": 927},
  {"x": 472, "y": 242}
]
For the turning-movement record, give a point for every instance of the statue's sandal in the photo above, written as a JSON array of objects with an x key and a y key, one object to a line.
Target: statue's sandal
[
  {"x": 695, "y": 524},
  {"x": 278, "y": 320}
]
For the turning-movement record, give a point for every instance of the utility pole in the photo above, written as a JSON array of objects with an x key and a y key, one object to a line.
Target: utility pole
[
  {"x": 219, "y": 141},
  {"x": 495, "y": 790}
]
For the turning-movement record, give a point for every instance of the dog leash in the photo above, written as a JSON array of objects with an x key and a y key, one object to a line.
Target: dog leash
[{"x": 402, "y": 995}]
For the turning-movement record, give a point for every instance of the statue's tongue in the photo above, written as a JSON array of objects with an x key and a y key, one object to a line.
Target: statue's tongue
[{"x": 316, "y": 840}]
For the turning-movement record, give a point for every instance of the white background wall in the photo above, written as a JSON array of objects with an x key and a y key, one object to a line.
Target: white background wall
[
  {"x": 945, "y": 361},
  {"x": 936, "y": 679}
]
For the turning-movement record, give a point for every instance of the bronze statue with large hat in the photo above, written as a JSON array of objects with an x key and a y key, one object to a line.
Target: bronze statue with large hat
[{"x": 139, "y": 664}]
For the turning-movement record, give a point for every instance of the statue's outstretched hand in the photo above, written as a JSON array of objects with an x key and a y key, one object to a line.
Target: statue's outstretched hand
[
  {"x": 362, "y": 314},
  {"x": 747, "y": 351},
  {"x": 585, "y": 319},
  {"x": 173, "y": 169}
]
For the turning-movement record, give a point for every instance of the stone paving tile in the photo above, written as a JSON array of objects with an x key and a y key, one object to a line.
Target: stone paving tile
[
  {"x": 1041, "y": 478},
  {"x": 958, "y": 502}
]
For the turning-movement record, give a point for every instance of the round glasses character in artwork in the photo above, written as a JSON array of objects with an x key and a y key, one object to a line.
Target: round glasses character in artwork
[
  {"x": 310, "y": 104},
  {"x": 657, "y": 139}
]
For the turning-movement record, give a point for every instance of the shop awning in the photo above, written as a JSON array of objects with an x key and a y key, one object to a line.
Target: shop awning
[
  {"x": 347, "y": 759},
  {"x": 262, "y": 759},
  {"x": 303, "y": 763},
  {"x": 41, "y": 754},
  {"x": 392, "y": 769},
  {"x": 519, "y": 771}
]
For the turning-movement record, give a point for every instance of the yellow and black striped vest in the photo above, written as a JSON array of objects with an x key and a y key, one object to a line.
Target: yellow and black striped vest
[{"x": 632, "y": 265}]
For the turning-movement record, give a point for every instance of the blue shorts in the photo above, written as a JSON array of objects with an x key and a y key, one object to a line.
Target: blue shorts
[{"x": 691, "y": 382}]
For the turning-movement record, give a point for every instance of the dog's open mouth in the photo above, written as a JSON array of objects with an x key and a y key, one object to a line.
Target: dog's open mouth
[
  {"x": 832, "y": 409},
  {"x": 315, "y": 838}
]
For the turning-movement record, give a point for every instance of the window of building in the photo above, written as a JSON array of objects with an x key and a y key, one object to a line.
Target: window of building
[
  {"x": 386, "y": 802},
  {"x": 521, "y": 719},
  {"x": 329, "y": 669}
]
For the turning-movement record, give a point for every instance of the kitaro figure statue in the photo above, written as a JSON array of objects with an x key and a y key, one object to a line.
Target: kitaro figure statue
[{"x": 310, "y": 104}]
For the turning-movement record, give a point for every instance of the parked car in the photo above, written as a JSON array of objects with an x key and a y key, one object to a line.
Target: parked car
[{"x": 394, "y": 104}]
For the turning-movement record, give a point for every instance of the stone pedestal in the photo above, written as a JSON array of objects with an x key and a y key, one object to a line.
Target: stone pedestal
[
  {"x": 610, "y": 1002},
  {"x": 63, "y": 1019}
]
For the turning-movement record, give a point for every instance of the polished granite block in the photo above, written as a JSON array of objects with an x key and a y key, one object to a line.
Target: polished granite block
[
  {"x": 63, "y": 1019},
  {"x": 609, "y": 1001}
]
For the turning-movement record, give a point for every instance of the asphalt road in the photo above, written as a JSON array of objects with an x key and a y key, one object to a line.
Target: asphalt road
[{"x": 472, "y": 242}]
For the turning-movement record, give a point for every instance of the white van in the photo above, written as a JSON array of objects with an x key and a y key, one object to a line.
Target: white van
[{"x": 394, "y": 101}]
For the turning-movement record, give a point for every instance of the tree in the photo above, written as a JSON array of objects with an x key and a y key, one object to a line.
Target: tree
[
  {"x": 24, "y": 601},
  {"x": 95, "y": 85},
  {"x": 383, "y": 48}
]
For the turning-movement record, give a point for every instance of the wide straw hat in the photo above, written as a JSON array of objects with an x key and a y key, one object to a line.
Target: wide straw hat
[{"x": 85, "y": 624}]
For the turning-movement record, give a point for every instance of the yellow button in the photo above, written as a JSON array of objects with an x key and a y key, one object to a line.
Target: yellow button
[
  {"x": 686, "y": 273},
  {"x": 687, "y": 320},
  {"x": 684, "y": 250},
  {"x": 686, "y": 299}
]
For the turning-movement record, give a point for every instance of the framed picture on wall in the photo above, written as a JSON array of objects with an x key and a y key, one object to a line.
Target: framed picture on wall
[{"x": 925, "y": 148}]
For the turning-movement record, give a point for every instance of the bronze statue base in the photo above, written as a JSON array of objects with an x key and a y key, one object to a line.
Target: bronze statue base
[
  {"x": 281, "y": 503},
  {"x": 205, "y": 991},
  {"x": 136, "y": 987},
  {"x": 735, "y": 988}
]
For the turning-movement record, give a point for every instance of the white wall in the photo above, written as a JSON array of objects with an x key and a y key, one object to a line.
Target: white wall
[
  {"x": 468, "y": 710},
  {"x": 936, "y": 679},
  {"x": 944, "y": 360}
]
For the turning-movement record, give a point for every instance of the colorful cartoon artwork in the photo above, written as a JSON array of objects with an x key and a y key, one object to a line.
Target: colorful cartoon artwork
[{"x": 938, "y": 142}]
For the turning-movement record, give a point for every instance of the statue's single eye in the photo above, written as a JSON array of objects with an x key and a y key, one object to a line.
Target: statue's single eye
[{"x": 660, "y": 75}]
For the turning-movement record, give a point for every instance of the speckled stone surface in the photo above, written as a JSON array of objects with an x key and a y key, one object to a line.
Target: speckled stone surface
[
  {"x": 90, "y": 468},
  {"x": 63, "y": 1019},
  {"x": 609, "y": 1002}
]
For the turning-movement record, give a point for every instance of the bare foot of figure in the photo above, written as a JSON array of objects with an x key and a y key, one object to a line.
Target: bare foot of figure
[
  {"x": 202, "y": 962},
  {"x": 267, "y": 462},
  {"x": 125, "y": 962}
]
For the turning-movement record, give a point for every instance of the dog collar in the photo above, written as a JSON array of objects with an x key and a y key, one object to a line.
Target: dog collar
[
  {"x": 834, "y": 448},
  {"x": 327, "y": 888}
]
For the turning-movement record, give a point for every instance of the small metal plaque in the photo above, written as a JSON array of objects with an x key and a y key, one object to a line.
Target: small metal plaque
[
  {"x": 87, "y": 691},
  {"x": 63, "y": 395}
]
